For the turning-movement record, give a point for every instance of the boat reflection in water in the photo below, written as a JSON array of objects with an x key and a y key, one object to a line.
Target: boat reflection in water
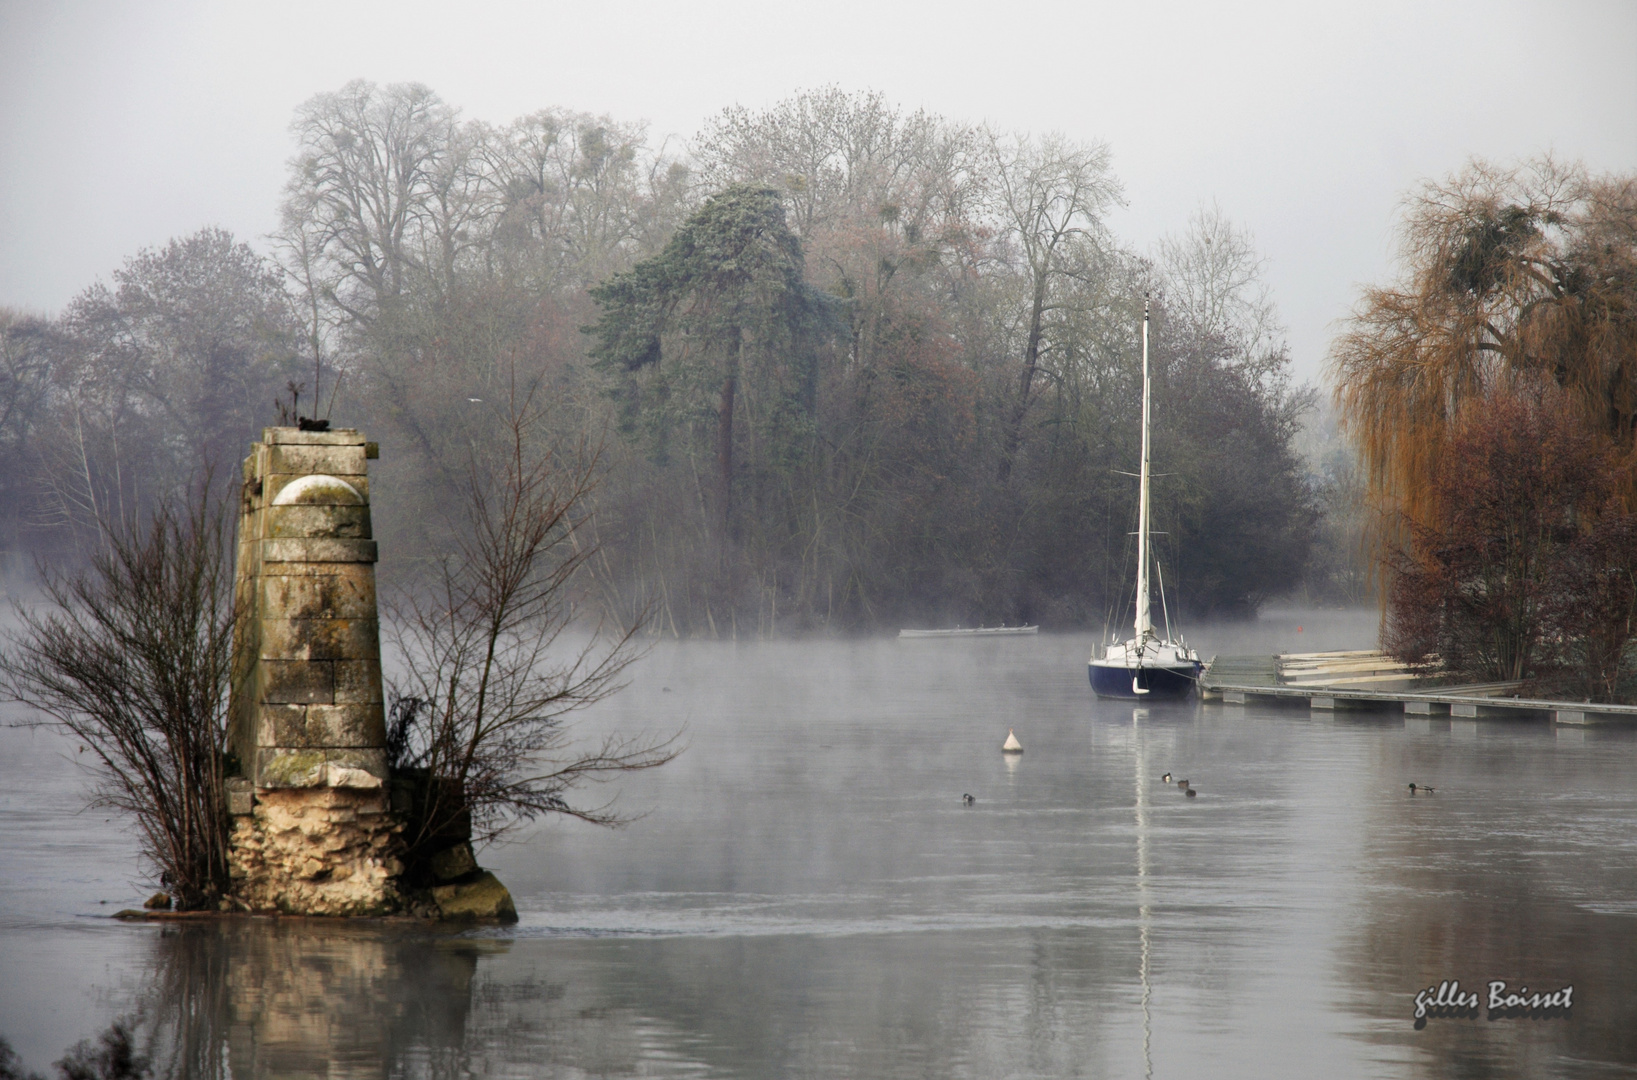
[{"x": 1145, "y": 664}]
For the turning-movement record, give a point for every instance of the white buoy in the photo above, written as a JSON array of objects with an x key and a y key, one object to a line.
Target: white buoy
[{"x": 1011, "y": 745}]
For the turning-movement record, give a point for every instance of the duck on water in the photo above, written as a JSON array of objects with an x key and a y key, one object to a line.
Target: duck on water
[{"x": 1146, "y": 665}]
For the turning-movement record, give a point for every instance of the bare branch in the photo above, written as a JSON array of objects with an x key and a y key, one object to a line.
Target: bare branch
[{"x": 489, "y": 675}]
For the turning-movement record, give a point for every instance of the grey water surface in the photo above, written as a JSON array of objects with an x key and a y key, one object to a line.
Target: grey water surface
[{"x": 807, "y": 895}]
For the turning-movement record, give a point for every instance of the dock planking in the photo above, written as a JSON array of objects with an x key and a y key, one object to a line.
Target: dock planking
[{"x": 1371, "y": 680}]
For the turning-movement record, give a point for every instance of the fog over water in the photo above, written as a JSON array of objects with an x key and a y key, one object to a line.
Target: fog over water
[{"x": 807, "y": 895}]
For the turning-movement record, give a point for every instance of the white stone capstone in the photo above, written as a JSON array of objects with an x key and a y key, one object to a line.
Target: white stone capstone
[{"x": 319, "y": 490}]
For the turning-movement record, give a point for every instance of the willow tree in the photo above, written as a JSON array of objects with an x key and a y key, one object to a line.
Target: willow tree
[{"x": 1512, "y": 277}]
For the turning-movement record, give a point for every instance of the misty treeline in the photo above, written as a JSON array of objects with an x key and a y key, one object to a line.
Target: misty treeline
[{"x": 843, "y": 365}]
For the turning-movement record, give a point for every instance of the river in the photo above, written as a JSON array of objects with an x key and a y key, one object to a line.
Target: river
[{"x": 806, "y": 895}]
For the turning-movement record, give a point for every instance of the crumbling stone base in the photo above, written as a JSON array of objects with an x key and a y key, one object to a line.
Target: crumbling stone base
[{"x": 318, "y": 851}]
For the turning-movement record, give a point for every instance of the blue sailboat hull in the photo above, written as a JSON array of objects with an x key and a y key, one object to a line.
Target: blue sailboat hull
[{"x": 1115, "y": 681}]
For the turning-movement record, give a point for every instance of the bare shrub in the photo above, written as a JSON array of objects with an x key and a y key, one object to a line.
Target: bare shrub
[
  {"x": 112, "y": 1057},
  {"x": 130, "y": 657},
  {"x": 489, "y": 671}
]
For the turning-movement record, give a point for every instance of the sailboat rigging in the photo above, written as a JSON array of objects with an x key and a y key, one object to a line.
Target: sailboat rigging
[{"x": 1146, "y": 664}]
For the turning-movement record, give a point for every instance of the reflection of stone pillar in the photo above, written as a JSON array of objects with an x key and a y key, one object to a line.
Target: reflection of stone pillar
[
  {"x": 358, "y": 1003},
  {"x": 312, "y": 830}
]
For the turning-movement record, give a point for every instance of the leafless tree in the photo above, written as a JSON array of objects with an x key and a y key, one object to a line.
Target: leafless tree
[
  {"x": 30, "y": 349},
  {"x": 173, "y": 363},
  {"x": 1049, "y": 199},
  {"x": 880, "y": 197},
  {"x": 366, "y": 182},
  {"x": 579, "y": 197},
  {"x": 131, "y": 658},
  {"x": 1214, "y": 288},
  {"x": 490, "y": 672}
]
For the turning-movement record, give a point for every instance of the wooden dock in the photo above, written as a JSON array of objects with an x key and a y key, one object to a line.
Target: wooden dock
[
  {"x": 977, "y": 631},
  {"x": 1372, "y": 680}
]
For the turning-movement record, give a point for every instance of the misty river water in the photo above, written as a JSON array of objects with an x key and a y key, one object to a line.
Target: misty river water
[{"x": 807, "y": 896}]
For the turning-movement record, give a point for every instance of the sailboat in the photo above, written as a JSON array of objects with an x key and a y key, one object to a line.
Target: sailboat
[{"x": 1145, "y": 666}]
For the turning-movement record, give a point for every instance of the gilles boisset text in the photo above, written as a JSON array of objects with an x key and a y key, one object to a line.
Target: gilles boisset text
[{"x": 1448, "y": 999}]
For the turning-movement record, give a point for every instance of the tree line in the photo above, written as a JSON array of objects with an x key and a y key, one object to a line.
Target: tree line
[{"x": 841, "y": 365}]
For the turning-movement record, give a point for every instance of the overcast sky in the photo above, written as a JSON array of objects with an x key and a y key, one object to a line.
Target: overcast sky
[{"x": 124, "y": 124}]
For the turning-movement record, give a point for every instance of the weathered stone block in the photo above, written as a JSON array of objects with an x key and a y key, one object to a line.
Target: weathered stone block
[
  {"x": 452, "y": 863},
  {"x": 241, "y": 796},
  {"x": 361, "y": 573},
  {"x": 287, "y": 436},
  {"x": 372, "y": 760},
  {"x": 319, "y": 639},
  {"x": 320, "y": 727},
  {"x": 357, "y": 682},
  {"x": 362, "y": 768},
  {"x": 283, "y": 725},
  {"x": 298, "y": 682},
  {"x": 328, "y": 799},
  {"x": 282, "y": 767},
  {"x": 326, "y": 522},
  {"x": 350, "y": 776},
  {"x": 485, "y": 899},
  {"x": 342, "y": 591},
  {"x": 307, "y": 460},
  {"x": 318, "y": 550},
  {"x": 273, "y": 485},
  {"x": 349, "y": 726}
]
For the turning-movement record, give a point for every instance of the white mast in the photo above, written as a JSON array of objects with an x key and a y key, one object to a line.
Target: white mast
[{"x": 1145, "y": 626}]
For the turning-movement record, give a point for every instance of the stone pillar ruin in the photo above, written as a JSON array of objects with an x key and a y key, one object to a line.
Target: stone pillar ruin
[{"x": 313, "y": 829}]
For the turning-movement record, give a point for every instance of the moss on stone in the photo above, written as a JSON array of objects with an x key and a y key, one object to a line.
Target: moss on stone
[
  {"x": 295, "y": 769},
  {"x": 483, "y": 898}
]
